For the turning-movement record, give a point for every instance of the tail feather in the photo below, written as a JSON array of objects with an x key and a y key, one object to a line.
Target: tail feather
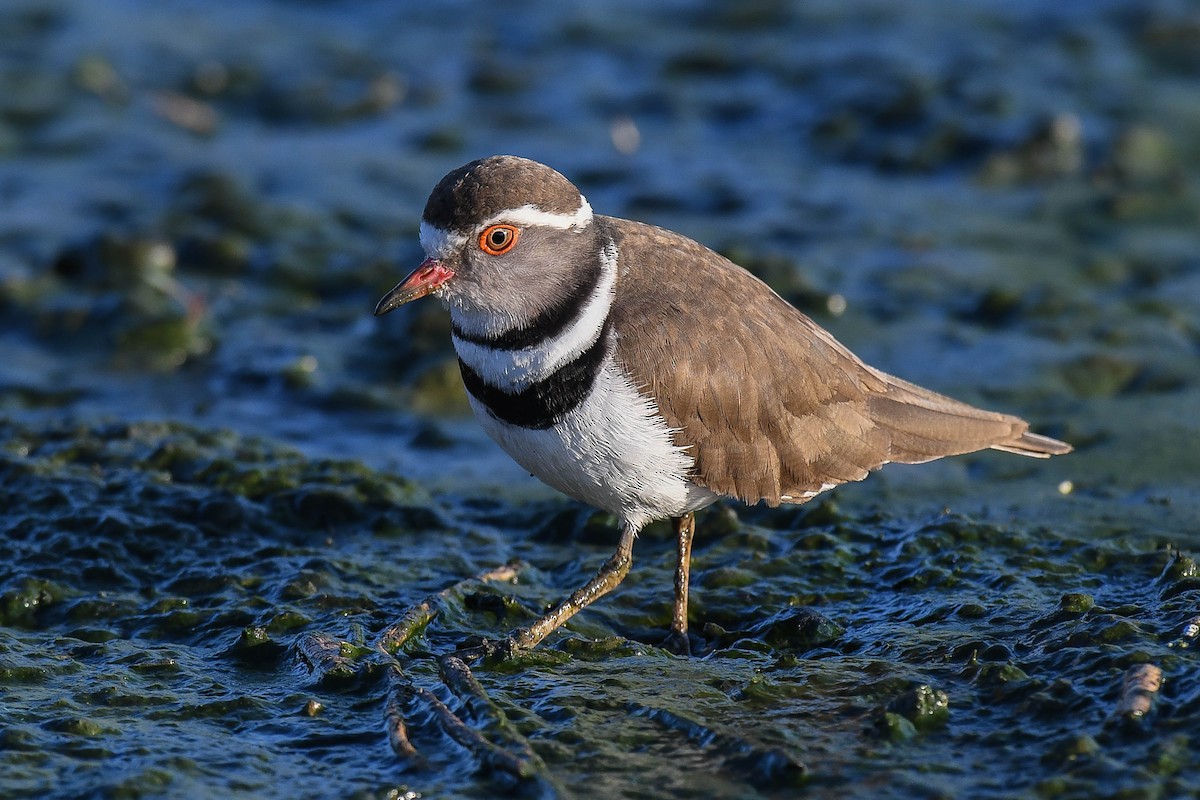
[
  {"x": 926, "y": 425},
  {"x": 1035, "y": 445}
]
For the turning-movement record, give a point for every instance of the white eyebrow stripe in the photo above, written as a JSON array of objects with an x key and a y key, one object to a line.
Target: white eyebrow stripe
[
  {"x": 530, "y": 214},
  {"x": 439, "y": 243}
]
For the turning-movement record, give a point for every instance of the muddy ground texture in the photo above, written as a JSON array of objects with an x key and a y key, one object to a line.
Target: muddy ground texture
[{"x": 245, "y": 526}]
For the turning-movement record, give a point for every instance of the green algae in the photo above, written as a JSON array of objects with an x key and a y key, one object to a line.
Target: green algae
[{"x": 270, "y": 603}]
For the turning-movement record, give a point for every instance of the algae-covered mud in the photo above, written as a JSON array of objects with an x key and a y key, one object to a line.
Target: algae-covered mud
[{"x": 244, "y": 526}]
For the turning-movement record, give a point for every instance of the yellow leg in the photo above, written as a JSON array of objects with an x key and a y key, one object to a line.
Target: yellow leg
[
  {"x": 685, "y": 529},
  {"x": 604, "y": 581}
]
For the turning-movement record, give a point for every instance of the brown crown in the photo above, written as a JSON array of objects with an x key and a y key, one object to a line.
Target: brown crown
[{"x": 483, "y": 188}]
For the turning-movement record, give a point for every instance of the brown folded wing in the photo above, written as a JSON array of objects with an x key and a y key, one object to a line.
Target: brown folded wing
[{"x": 769, "y": 404}]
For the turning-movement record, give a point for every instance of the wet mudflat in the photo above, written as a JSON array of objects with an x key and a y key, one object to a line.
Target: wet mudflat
[{"x": 221, "y": 481}]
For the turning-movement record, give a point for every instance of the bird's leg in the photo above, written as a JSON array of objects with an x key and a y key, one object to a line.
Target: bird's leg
[
  {"x": 604, "y": 581},
  {"x": 677, "y": 639}
]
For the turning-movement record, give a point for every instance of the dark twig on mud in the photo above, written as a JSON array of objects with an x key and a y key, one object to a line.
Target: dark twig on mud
[
  {"x": 768, "y": 765},
  {"x": 488, "y": 753},
  {"x": 459, "y": 679},
  {"x": 396, "y": 635},
  {"x": 413, "y": 622},
  {"x": 324, "y": 656},
  {"x": 400, "y": 692}
]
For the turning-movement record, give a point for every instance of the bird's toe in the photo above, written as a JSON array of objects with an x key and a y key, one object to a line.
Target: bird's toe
[{"x": 677, "y": 642}]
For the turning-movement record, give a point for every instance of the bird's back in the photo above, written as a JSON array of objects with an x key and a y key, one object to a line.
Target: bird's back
[{"x": 772, "y": 407}]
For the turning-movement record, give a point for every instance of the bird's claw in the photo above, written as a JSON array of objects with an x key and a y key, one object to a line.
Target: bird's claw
[
  {"x": 677, "y": 642},
  {"x": 478, "y": 648}
]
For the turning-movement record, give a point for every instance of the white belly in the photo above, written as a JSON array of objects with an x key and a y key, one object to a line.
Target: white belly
[{"x": 612, "y": 451}]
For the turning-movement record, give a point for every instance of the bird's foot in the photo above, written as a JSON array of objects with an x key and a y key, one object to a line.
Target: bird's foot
[
  {"x": 677, "y": 642},
  {"x": 478, "y": 648}
]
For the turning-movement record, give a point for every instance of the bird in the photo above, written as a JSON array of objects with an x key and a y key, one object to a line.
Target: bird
[{"x": 639, "y": 372}]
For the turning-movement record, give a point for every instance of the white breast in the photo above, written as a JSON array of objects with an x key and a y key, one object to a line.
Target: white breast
[{"x": 613, "y": 451}]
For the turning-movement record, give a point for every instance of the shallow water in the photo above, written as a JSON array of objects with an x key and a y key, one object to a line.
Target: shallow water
[{"x": 216, "y": 465}]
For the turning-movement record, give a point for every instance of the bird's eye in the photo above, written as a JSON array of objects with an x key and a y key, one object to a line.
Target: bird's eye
[{"x": 498, "y": 239}]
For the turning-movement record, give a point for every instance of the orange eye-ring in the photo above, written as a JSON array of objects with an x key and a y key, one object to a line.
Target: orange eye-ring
[{"x": 498, "y": 239}]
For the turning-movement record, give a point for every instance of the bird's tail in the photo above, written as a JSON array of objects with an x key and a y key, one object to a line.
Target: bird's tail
[
  {"x": 925, "y": 425},
  {"x": 1035, "y": 445}
]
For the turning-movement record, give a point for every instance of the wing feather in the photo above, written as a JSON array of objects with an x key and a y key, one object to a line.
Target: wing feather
[{"x": 769, "y": 404}]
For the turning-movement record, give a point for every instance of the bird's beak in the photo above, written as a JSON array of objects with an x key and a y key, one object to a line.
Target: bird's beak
[{"x": 423, "y": 280}]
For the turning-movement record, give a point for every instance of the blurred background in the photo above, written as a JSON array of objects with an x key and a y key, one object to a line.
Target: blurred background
[
  {"x": 994, "y": 199},
  {"x": 201, "y": 202}
]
